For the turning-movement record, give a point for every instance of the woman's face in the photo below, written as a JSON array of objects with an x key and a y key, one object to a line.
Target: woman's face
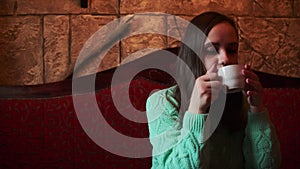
[{"x": 221, "y": 46}]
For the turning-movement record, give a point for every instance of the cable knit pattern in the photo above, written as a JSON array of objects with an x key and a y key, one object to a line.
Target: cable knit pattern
[
  {"x": 179, "y": 146},
  {"x": 261, "y": 147}
]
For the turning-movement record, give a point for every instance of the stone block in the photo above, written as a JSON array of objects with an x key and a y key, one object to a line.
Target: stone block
[
  {"x": 83, "y": 27},
  {"x": 176, "y": 26},
  {"x": 7, "y": 7},
  {"x": 273, "y": 8},
  {"x": 105, "y": 7},
  {"x": 138, "y": 6},
  {"x": 21, "y": 50},
  {"x": 272, "y": 44},
  {"x": 186, "y": 7},
  {"x": 142, "y": 42},
  {"x": 296, "y": 8},
  {"x": 149, "y": 32},
  {"x": 50, "y": 7},
  {"x": 56, "y": 47}
]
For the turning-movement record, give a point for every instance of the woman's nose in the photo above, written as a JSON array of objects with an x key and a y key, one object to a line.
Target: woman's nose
[{"x": 223, "y": 58}]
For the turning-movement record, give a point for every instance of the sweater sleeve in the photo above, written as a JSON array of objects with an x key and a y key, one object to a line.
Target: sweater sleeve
[
  {"x": 261, "y": 147},
  {"x": 173, "y": 146}
]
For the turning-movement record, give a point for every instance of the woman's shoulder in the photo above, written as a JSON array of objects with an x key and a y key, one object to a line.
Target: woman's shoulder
[
  {"x": 162, "y": 106},
  {"x": 167, "y": 93},
  {"x": 163, "y": 97}
]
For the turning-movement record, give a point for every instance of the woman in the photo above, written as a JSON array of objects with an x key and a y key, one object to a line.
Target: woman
[{"x": 244, "y": 138}]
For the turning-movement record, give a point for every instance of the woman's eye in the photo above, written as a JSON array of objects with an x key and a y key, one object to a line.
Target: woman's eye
[{"x": 211, "y": 51}]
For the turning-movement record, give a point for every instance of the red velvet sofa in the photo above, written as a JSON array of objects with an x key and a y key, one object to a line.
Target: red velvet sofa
[{"x": 39, "y": 127}]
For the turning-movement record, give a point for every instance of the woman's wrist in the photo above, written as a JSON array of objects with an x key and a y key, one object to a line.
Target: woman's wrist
[{"x": 194, "y": 108}]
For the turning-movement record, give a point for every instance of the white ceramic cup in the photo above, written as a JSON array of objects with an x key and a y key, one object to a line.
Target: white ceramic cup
[{"x": 232, "y": 78}]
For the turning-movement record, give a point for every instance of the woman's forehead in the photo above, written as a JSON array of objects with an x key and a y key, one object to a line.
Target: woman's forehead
[{"x": 222, "y": 33}]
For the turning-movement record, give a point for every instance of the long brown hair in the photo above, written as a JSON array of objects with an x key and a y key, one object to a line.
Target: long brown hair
[{"x": 205, "y": 22}]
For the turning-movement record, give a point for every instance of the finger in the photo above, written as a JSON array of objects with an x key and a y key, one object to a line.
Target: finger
[
  {"x": 254, "y": 98},
  {"x": 253, "y": 84},
  {"x": 210, "y": 95},
  {"x": 215, "y": 84},
  {"x": 208, "y": 87},
  {"x": 211, "y": 77},
  {"x": 215, "y": 91},
  {"x": 252, "y": 93},
  {"x": 247, "y": 66},
  {"x": 212, "y": 87},
  {"x": 212, "y": 69},
  {"x": 250, "y": 74}
]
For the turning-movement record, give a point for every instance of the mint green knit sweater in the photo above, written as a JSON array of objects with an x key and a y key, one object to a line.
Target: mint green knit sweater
[{"x": 178, "y": 145}]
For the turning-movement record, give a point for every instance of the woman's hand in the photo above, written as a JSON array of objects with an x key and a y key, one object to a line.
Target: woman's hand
[
  {"x": 206, "y": 90},
  {"x": 253, "y": 90}
]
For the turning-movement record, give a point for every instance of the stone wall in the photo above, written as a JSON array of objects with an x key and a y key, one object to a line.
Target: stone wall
[{"x": 40, "y": 40}]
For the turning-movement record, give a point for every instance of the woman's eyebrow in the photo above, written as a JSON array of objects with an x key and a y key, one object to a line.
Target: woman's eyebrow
[
  {"x": 216, "y": 44},
  {"x": 211, "y": 44}
]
